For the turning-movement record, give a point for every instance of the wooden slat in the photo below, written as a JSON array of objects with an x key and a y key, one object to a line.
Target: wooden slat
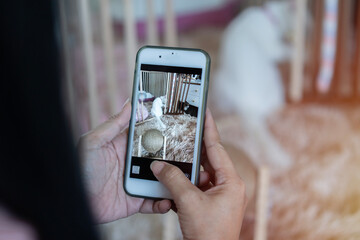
[
  {"x": 139, "y": 146},
  {"x": 142, "y": 100},
  {"x": 315, "y": 53},
  {"x": 357, "y": 52},
  {"x": 151, "y": 23},
  {"x": 178, "y": 108},
  {"x": 164, "y": 149},
  {"x": 342, "y": 85},
  {"x": 188, "y": 79},
  {"x": 176, "y": 90},
  {"x": 297, "y": 64},
  {"x": 86, "y": 33},
  {"x": 262, "y": 204},
  {"x": 170, "y": 24},
  {"x": 182, "y": 96},
  {"x": 130, "y": 41},
  {"x": 169, "y": 92},
  {"x": 108, "y": 45},
  {"x": 70, "y": 92}
]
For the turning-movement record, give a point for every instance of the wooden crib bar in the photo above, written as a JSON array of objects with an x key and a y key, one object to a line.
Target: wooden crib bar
[
  {"x": 108, "y": 45},
  {"x": 86, "y": 32},
  {"x": 357, "y": 51},
  {"x": 152, "y": 32},
  {"x": 297, "y": 63},
  {"x": 131, "y": 46},
  {"x": 345, "y": 81},
  {"x": 177, "y": 92}
]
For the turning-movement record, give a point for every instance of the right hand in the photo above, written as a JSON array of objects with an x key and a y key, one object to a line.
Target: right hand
[{"x": 216, "y": 210}]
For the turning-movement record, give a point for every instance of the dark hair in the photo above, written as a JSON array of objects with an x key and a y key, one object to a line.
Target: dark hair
[{"x": 40, "y": 180}]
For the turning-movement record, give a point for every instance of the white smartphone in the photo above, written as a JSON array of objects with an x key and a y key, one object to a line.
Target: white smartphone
[{"x": 168, "y": 110}]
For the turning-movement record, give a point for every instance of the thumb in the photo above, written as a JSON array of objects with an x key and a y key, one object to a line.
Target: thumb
[{"x": 173, "y": 179}]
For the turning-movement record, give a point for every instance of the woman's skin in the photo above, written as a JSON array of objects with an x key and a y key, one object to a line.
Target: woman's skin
[
  {"x": 13, "y": 228},
  {"x": 103, "y": 159},
  {"x": 213, "y": 210}
]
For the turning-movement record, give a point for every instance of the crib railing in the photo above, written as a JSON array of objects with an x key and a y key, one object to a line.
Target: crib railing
[
  {"x": 154, "y": 82},
  {"x": 177, "y": 92},
  {"x": 107, "y": 38},
  {"x": 173, "y": 86},
  {"x": 343, "y": 71}
]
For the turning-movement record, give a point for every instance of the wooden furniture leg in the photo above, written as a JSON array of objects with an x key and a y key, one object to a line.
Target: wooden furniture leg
[
  {"x": 262, "y": 204},
  {"x": 297, "y": 64}
]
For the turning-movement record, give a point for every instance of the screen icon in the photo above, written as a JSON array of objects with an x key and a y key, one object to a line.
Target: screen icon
[{"x": 136, "y": 169}]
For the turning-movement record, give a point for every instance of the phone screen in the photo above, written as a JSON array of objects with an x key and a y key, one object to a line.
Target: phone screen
[{"x": 168, "y": 102}]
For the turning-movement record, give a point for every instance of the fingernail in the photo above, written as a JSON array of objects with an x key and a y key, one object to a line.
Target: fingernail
[
  {"x": 157, "y": 166},
  {"x": 127, "y": 100},
  {"x": 166, "y": 206}
]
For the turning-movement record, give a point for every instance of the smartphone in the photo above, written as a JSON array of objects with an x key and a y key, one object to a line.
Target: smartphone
[{"x": 168, "y": 110}]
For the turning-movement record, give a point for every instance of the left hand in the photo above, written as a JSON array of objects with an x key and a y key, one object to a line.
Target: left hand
[{"x": 103, "y": 160}]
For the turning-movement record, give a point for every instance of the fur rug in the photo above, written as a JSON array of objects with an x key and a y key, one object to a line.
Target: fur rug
[
  {"x": 319, "y": 197},
  {"x": 179, "y": 133}
]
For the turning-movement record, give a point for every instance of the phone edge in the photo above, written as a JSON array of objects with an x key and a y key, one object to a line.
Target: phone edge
[{"x": 203, "y": 113}]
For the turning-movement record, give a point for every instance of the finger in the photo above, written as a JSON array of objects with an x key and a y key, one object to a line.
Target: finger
[
  {"x": 216, "y": 154},
  {"x": 151, "y": 206},
  {"x": 107, "y": 131},
  {"x": 173, "y": 206},
  {"x": 206, "y": 165},
  {"x": 204, "y": 159},
  {"x": 173, "y": 179},
  {"x": 204, "y": 179},
  {"x": 208, "y": 168}
]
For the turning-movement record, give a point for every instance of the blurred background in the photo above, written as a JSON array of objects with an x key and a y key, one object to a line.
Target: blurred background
[{"x": 284, "y": 90}]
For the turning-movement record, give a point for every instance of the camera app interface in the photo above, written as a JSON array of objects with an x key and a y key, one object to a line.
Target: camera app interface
[{"x": 166, "y": 118}]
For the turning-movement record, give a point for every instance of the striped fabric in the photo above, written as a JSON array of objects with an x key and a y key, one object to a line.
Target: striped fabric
[{"x": 328, "y": 49}]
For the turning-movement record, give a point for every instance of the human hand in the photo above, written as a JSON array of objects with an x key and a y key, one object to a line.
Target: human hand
[
  {"x": 216, "y": 210},
  {"x": 103, "y": 160}
]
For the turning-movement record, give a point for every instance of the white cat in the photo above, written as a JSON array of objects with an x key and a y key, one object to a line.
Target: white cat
[
  {"x": 156, "y": 110},
  {"x": 248, "y": 81}
]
